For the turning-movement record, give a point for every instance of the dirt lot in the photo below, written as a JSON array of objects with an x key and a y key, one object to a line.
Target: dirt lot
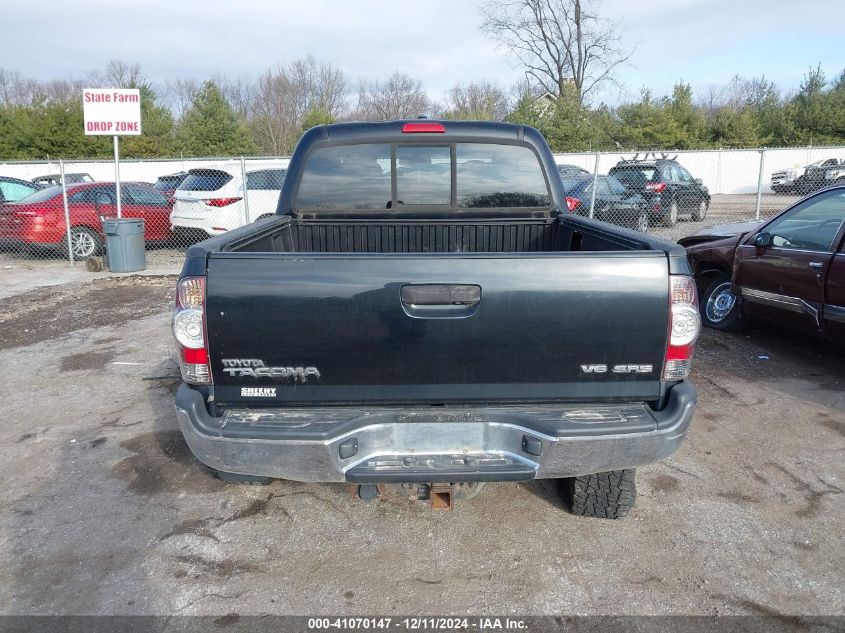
[{"x": 105, "y": 511}]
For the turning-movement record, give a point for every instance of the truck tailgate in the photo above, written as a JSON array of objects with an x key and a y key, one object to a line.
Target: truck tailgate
[{"x": 436, "y": 329}]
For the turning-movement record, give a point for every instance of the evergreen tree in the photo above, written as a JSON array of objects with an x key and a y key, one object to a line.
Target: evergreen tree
[
  {"x": 210, "y": 127},
  {"x": 156, "y": 137},
  {"x": 810, "y": 114},
  {"x": 316, "y": 116}
]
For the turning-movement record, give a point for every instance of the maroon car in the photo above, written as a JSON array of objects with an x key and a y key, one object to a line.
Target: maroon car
[{"x": 790, "y": 269}]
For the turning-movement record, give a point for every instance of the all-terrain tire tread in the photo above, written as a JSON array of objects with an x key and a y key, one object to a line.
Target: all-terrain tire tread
[{"x": 609, "y": 495}]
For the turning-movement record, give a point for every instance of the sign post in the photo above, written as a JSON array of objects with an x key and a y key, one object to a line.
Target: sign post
[
  {"x": 68, "y": 232},
  {"x": 112, "y": 112}
]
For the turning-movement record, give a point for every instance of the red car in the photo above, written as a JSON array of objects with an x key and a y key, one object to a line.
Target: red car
[{"x": 38, "y": 221}]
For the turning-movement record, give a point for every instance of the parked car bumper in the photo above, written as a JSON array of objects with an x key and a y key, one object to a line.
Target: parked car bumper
[
  {"x": 29, "y": 231},
  {"x": 452, "y": 444},
  {"x": 182, "y": 225}
]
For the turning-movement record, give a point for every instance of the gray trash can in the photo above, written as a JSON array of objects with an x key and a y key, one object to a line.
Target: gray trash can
[{"x": 125, "y": 244}]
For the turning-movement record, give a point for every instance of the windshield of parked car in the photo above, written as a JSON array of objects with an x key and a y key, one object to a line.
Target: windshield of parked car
[
  {"x": 41, "y": 195},
  {"x": 360, "y": 177}
]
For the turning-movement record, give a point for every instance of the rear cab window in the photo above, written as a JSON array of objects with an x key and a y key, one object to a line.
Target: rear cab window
[{"x": 422, "y": 176}]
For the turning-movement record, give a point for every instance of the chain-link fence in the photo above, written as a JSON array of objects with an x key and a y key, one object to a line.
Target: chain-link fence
[
  {"x": 676, "y": 194},
  {"x": 62, "y": 211},
  {"x": 668, "y": 194}
]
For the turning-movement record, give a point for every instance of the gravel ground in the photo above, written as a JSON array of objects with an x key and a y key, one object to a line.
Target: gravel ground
[{"x": 104, "y": 510}]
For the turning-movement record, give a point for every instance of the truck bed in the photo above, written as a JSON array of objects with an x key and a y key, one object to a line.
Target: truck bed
[{"x": 516, "y": 235}]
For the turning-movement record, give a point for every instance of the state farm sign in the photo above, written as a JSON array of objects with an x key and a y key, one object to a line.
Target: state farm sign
[{"x": 112, "y": 111}]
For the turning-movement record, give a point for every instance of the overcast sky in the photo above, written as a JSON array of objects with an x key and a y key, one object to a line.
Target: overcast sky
[{"x": 704, "y": 42}]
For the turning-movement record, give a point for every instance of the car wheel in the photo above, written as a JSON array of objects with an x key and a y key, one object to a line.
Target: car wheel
[
  {"x": 83, "y": 243},
  {"x": 671, "y": 218},
  {"x": 699, "y": 214},
  {"x": 609, "y": 495},
  {"x": 642, "y": 223},
  {"x": 264, "y": 217},
  {"x": 719, "y": 306}
]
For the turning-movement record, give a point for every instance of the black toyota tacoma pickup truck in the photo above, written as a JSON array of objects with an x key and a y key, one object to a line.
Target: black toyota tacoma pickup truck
[{"x": 424, "y": 311}]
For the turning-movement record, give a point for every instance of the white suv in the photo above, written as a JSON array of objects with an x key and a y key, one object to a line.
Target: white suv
[{"x": 211, "y": 200}]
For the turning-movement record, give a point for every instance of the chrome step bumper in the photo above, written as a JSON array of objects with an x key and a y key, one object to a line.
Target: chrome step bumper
[{"x": 433, "y": 444}]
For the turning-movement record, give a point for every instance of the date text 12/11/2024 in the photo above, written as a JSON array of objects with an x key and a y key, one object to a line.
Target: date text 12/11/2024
[{"x": 418, "y": 624}]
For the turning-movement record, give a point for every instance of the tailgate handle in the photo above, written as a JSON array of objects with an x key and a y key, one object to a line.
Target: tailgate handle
[{"x": 441, "y": 295}]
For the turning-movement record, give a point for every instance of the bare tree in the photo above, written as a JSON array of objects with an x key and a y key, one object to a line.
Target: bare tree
[
  {"x": 754, "y": 92},
  {"x": 711, "y": 99},
  {"x": 15, "y": 89},
  {"x": 179, "y": 95},
  {"x": 117, "y": 74},
  {"x": 284, "y": 95},
  {"x": 61, "y": 90},
  {"x": 399, "y": 97},
  {"x": 239, "y": 92},
  {"x": 560, "y": 43},
  {"x": 479, "y": 100}
]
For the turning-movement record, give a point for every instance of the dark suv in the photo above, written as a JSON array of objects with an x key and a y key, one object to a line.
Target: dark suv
[{"x": 669, "y": 188}]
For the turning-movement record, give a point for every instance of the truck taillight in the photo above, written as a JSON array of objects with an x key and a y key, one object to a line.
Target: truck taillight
[
  {"x": 684, "y": 327},
  {"x": 189, "y": 330},
  {"x": 656, "y": 187},
  {"x": 572, "y": 204}
]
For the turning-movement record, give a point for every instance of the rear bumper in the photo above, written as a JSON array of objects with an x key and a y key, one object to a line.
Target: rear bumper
[
  {"x": 19, "y": 243},
  {"x": 214, "y": 221},
  {"x": 434, "y": 444},
  {"x": 194, "y": 225},
  {"x": 21, "y": 232}
]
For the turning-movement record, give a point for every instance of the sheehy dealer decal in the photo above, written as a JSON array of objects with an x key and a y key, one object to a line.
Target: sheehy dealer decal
[{"x": 258, "y": 392}]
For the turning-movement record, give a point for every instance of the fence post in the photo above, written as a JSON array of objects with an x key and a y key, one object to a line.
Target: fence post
[
  {"x": 760, "y": 183},
  {"x": 117, "y": 177},
  {"x": 246, "y": 197},
  {"x": 67, "y": 211},
  {"x": 719, "y": 171},
  {"x": 595, "y": 186}
]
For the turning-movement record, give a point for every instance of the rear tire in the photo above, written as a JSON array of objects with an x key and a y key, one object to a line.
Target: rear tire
[
  {"x": 671, "y": 218},
  {"x": 609, "y": 495},
  {"x": 719, "y": 306},
  {"x": 701, "y": 212},
  {"x": 264, "y": 217},
  {"x": 248, "y": 480}
]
